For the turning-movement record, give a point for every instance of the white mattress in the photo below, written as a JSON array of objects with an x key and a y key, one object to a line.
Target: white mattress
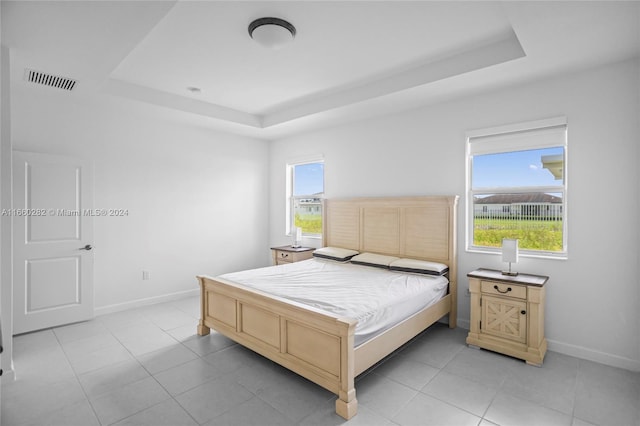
[{"x": 377, "y": 298}]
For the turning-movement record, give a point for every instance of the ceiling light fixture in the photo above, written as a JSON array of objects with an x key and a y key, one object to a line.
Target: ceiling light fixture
[{"x": 272, "y": 32}]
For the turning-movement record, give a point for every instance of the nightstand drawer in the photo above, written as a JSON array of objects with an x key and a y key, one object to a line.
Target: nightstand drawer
[
  {"x": 503, "y": 289},
  {"x": 284, "y": 256},
  {"x": 288, "y": 254}
]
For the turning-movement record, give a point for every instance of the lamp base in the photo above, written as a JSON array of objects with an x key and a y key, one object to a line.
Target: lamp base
[{"x": 509, "y": 273}]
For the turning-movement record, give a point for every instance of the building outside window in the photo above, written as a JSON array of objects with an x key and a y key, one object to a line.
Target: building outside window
[
  {"x": 305, "y": 191},
  {"x": 517, "y": 187}
]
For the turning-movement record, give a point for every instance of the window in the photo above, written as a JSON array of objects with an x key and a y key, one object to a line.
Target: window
[
  {"x": 305, "y": 189},
  {"x": 517, "y": 187}
]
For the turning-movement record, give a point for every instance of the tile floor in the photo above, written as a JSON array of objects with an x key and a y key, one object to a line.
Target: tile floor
[{"x": 148, "y": 367}]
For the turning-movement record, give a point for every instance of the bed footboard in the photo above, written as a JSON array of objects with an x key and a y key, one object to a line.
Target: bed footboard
[{"x": 318, "y": 346}]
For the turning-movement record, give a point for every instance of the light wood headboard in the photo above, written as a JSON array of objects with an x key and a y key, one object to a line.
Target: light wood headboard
[{"x": 414, "y": 227}]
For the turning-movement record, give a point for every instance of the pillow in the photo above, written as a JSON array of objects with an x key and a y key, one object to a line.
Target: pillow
[
  {"x": 419, "y": 266},
  {"x": 335, "y": 253},
  {"x": 372, "y": 259}
]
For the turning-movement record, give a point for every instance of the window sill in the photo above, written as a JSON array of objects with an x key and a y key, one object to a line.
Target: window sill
[
  {"x": 560, "y": 256},
  {"x": 311, "y": 237}
]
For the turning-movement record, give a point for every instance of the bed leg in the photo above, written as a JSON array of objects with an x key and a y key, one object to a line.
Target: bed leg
[
  {"x": 347, "y": 405},
  {"x": 203, "y": 330},
  {"x": 453, "y": 311},
  {"x": 452, "y": 322}
]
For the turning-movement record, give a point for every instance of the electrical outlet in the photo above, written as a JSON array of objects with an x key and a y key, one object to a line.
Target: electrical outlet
[{"x": 146, "y": 275}]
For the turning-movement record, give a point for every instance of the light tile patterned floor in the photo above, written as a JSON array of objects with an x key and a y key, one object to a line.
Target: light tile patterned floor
[{"x": 148, "y": 367}]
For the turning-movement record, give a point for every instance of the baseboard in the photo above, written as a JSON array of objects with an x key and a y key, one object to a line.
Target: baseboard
[
  {"x": 8, "y": 375},
  {"x": 103, "y": 310},
  {"x": 581, "y": 352},
  {"x": 593, "y": 355},
  {"x": 464, "y": 323}
]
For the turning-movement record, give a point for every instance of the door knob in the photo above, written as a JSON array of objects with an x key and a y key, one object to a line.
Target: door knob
[{"x": 87, "y": 247}]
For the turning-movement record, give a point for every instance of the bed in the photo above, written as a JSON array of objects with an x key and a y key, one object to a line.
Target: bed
[{"x": 316, "y": 343}]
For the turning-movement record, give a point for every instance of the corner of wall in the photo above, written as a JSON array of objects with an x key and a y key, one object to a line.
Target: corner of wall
[{"x": 6, "y": 242}]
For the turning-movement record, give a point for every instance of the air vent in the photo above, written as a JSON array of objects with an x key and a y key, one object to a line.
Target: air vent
[{"x": 49, "y": 80}]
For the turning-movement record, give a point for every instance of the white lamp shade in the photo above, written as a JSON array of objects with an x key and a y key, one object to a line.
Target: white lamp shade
[
  {"x": 510, "y": 250},
  {"x": 272, "y": 36}
]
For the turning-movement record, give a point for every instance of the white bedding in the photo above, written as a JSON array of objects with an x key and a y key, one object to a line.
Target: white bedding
[{"x": 377, "y": 298}]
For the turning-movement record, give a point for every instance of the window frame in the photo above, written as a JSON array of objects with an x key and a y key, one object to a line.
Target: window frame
[
  {"x": 494, "y": 133},
  {"x": 289, "y": 197}
]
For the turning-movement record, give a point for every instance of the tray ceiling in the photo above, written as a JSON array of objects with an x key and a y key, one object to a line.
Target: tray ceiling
[{"x": 349, "y": 59}]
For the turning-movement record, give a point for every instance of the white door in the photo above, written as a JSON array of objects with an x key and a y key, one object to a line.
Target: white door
[{"x": 52, "y": 238}]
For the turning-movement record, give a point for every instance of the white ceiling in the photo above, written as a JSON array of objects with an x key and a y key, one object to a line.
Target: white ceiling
[{"x": 349, "y": 60}]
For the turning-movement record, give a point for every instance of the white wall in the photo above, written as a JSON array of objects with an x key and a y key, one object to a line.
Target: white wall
[
  {"x": 197, "y": 199},
  {"x": 593, "y": 297}
]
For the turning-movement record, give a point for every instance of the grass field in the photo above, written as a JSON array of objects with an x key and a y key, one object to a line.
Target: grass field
[
  {"x": 310, "y": 224},
  {"x": 545, "y": 235}
]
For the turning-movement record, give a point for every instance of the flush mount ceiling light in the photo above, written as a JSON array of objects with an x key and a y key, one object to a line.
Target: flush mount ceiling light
[{"x": 272, "y": 32}]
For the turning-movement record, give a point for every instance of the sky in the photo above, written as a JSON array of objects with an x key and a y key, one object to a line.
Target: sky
[
  {"x": 308, "y": 179},
  {"x": 521, "y": 168}
]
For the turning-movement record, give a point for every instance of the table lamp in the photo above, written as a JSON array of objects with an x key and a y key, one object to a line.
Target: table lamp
[{"x": 509, "y": 254}]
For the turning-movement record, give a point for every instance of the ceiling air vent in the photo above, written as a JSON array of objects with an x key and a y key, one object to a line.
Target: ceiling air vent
[{"x": 49, "y": 80}]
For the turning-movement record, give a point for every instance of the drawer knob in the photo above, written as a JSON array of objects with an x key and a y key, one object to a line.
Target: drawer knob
[
  {"x": 500, "y": 291},
  {"x": 523, "y": 312}
]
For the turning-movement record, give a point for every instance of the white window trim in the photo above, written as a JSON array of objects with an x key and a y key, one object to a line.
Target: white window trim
[
  {"x": 518, "y": 127},
  {"x": 289, "y": 189},
  {"x": 493, "y": 136}
]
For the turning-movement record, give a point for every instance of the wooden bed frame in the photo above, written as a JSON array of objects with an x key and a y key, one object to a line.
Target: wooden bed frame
[{"x": 316, "y": 344}]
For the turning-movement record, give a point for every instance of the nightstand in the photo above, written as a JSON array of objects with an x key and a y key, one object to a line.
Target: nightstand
[
  {"x": 507, "y": 314},
  {"x": 288, "y": 254}
]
